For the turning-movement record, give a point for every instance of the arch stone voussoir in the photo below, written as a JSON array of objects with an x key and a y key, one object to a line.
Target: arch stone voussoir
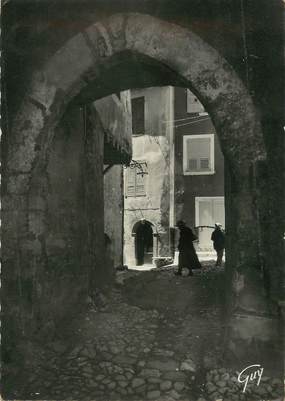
[{"x": 69, "y": 64}]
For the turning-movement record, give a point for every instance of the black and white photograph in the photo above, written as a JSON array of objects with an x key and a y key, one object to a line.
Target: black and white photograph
[{"x": 142, "y": 200}]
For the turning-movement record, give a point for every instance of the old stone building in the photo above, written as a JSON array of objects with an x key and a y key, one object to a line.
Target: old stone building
[
  {"x": 147, "y": 182},
  {"x": 60, "y": 57},
  {"x": 115, "y": 114},
  {"x": 167, "y": 181}
]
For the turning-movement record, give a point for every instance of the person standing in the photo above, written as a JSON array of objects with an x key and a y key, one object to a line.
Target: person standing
[
  {"x": 218, "y": 238},
  {"x": 187, "y": 255}
]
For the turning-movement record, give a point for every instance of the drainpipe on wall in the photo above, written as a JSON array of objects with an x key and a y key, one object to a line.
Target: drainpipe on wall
[
  {"x": 170, "y": 135},
  {"x": 123, "y": 215}
]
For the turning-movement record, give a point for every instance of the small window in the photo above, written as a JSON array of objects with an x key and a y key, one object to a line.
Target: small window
[
  {"x": 193, "y": 104},
  {"x": 135, "y": 182},
  {"x": 198, "y": 154},
  {"x": 138, "y": 116}
]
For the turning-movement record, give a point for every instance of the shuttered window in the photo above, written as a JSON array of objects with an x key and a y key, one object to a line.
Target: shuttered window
[
  {"x": 138, "y": 117},
  {"x": 135, "y": 182},
  {"x": 198, "y": 154}
]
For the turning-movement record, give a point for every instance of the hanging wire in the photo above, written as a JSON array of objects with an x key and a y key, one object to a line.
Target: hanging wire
[
  {"x": 192, "y": 122},
  {"x": 181, "y": 119}
]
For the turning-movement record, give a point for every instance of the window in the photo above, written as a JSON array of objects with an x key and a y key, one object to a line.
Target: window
[
  {"x": 138, "y": 115},
  {"x": 198, "y": 154},
  {"x": 194, "y": 105},
  {"x": 208, "y": 211},
  {"x": 135, "y": 182}
]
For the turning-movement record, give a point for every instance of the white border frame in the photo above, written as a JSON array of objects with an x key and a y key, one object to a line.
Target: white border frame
[{"x": 212, "y": 154}]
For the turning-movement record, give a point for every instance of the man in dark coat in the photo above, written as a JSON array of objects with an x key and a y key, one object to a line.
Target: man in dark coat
[
  {"x": 187, "y": 254},
  {"x": 218, "y": 238}
]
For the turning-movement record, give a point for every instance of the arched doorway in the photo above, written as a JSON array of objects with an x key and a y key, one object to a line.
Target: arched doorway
[
  {"x": 143, "y": 242},
  {"x": 81, "y": 70}
]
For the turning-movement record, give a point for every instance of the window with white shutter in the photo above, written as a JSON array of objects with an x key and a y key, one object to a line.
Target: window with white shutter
[
  {"x": 198, "y": 154},
  {"x": 135, "y": 185}
]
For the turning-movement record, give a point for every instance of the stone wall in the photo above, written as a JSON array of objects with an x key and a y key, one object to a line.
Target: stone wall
[
  {"x": 115, "y": 115},
  {"x": 114, "y": 112},
  {"x": 113, "y": 213},
  {"x": 60, "y": 240}
]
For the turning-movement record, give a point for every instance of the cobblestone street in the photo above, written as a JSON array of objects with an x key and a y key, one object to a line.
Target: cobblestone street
[{"x": 156, "y": 337}]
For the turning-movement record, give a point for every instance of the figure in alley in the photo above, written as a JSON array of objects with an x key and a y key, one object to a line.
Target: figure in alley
[
  {"x": 187, "y": 255},
  {"x": 218, "y": 238}
]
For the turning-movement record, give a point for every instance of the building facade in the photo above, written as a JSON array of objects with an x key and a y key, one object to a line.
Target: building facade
[
  {"x": 147, "y": 180},
  {"x": 177, "y": 173},
  {"x": 199, "y": 168},
  {"x": 114, "y": 112}
]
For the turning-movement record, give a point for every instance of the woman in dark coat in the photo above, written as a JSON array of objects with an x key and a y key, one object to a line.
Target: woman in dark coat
[{"x": 187, "y": 255}]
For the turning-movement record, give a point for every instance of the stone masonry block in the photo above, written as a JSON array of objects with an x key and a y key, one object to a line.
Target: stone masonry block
[
  {"x": 41, "y": 91},
  {"x": 26, "y": 128},
  {"x": 18, "y": 184},
  {"x": 36, "y": 223},
  {"x": 67, "y": 65},
  {"x": 100, "y": 41}
]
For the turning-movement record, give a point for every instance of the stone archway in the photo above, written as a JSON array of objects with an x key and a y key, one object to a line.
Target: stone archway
[
  {"x": 139, "y": 246},
  {"x": 199, "y": 65},
  {"x": 143, "y": 242},
  {"x": 83, "y": 59}
]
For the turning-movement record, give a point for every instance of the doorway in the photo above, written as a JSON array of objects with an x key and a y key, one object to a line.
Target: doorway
[
  {"x": 208, "y": 210},
  {"x": 144, "y": 243}
]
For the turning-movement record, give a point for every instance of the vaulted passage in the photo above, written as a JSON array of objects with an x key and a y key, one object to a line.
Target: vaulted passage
[{"x": 71, "y": 127}]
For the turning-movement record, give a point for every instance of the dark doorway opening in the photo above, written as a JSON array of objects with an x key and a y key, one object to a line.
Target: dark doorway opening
[{"x": 144, "y": 243}]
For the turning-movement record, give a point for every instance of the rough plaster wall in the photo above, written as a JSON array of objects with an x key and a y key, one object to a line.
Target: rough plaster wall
[
  {"x": 113, "y": 212},
  {"x": 153, "y": 148},
  {"x": 114, "y": 113}
]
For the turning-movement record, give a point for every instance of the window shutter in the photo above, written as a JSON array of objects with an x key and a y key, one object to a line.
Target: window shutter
[
  {"x": 138, "y": 117},
  {"x": 198, "y": 153},
  {"x": 192, "y": 165},
  {"x": 204, "y": 163},
  {"x": 139, "y": 183},
  {"x": 135, "y": 182},
  {"x": 131, "y": 182}
]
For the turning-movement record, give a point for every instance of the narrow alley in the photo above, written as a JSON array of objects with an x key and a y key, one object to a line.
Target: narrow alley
[
  {"x": 142, "y": 228},
  {"x": 155, "y": 336}
]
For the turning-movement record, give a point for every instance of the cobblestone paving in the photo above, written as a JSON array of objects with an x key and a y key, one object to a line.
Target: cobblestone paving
[{"x": 122, "y": 351}]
